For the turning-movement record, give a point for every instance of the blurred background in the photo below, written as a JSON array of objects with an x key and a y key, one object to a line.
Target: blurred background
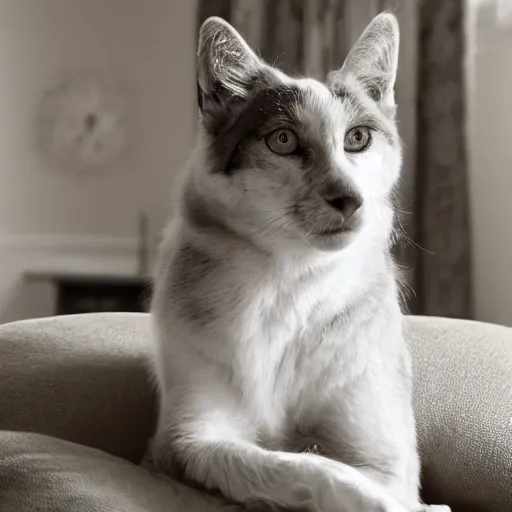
[{"x": 98, "y": 115}]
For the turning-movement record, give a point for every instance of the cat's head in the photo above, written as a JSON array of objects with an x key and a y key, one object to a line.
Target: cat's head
[{"x": 289, "y": 161}]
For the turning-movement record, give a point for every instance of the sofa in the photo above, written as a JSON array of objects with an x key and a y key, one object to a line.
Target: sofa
[{"x": 78, "y": 405}]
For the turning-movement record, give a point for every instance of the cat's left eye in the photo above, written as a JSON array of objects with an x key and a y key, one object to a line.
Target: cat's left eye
[
  {"x": 357, "y": 139},
  {"x": 282, "y": 141}
]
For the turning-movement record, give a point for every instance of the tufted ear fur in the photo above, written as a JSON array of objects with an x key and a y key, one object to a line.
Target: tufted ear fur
[
  {"x": 226, "y": 71},
  {"x": 373, "y": 60}
]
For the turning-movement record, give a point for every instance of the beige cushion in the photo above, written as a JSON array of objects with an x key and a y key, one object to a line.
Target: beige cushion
[
  {"x": 44, "y": 474},
  {"x": 86, "y": 379},
  {"x": 83, "y": 378},
  {"x": 463, "y": 405}
]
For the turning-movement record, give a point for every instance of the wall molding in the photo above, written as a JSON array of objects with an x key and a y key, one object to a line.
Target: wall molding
[
  {"x": 62, "y": 240},
  {"x": 69, "y": 253}
]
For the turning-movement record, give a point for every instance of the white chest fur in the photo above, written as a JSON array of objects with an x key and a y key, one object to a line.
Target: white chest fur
[{"x": 283, "y": 339}]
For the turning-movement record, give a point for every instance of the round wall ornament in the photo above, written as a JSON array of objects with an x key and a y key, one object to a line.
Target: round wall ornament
[{"x": 82, "y": 122}]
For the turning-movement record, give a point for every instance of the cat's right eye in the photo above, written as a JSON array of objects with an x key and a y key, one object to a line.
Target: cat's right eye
[{"x": 282, "y": 141}]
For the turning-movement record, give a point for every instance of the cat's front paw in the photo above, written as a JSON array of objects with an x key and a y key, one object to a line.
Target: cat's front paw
[
  {"x": 433, "y": 508},
  {"x": 331, "y": 494}
]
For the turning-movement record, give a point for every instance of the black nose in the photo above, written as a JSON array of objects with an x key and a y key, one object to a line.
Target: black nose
[{"x": 347, "y": 205}]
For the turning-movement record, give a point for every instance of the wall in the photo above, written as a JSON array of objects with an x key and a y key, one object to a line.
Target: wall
[
  {"x": 49, "y": 217},
  {"x": 491, "y": 168}
]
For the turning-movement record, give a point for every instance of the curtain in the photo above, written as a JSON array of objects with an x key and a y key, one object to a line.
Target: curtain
[
  {"x": 444, "y": 272},
  {"x": 312, "y": 37}
]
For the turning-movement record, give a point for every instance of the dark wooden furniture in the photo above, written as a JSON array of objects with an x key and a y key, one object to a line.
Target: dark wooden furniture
[{"x": 95, "y": 293}]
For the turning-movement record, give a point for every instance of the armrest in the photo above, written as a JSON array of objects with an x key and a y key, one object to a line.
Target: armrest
[
  {"x": 463, "y": 404},
  {"x": 82, "y": 378}
]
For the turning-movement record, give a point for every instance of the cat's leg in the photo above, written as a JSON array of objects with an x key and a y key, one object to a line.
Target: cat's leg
[
  {"x": 375, "y": 432},
  {"x": 212, "y": 449}
]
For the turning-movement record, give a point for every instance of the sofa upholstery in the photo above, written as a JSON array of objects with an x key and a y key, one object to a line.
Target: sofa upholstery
[
  {"x": 78, "y": 404},
  {"x": 81, "y": 378},
  {"x": 45, "y": 474}
]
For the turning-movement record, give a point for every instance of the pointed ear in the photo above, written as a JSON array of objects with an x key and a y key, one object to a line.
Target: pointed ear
[
  {"x": 226, "y": 70},
  {"x": 373, "y": 60}
]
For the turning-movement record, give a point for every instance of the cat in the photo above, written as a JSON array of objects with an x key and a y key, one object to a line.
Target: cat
[{"x": 283, "y": 373}]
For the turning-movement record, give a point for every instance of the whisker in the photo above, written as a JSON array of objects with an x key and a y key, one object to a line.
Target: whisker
[{"x": 399, "y": 229}]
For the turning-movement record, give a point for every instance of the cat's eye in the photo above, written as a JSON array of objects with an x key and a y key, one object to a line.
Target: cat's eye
[
  {"x": 282, "y": 141},
  {"x": 357, "y": 139}
]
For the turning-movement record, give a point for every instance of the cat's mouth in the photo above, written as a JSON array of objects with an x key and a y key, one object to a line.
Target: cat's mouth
[
  {"x": 334, "y": 231},
  {"x": 337, "y": 228}
]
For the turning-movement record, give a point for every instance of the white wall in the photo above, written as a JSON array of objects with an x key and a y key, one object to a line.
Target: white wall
[
  {"x": 145, "y": 45},
  {"x": 491, "y": 172}
]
